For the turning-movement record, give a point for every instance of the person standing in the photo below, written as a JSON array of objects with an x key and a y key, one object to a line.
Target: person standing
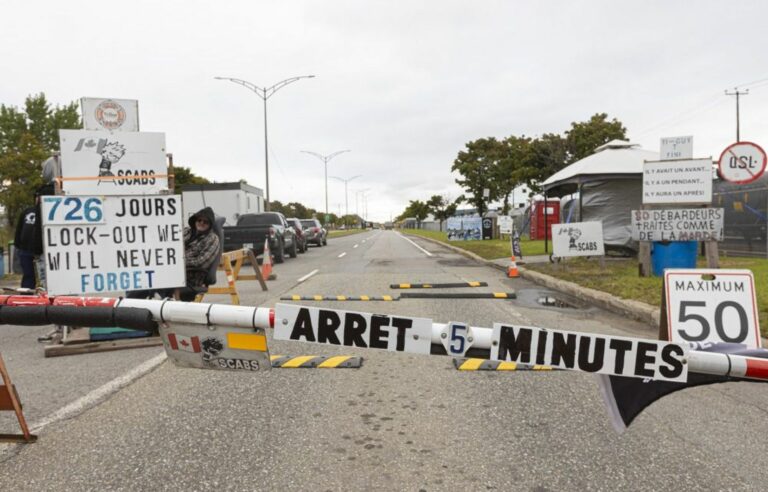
[{"x": 24, "y": 243}]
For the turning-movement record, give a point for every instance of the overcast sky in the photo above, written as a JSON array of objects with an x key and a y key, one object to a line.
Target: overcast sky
[{"x": 404, "y": 85}]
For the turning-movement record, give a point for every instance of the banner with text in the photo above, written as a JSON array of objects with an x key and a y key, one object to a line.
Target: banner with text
[
  {"x": 464, "y": 228},
  {"x": 577, "y": 239},
  {"x": 103, "y": 163},
  {"x": 96, "y": 244},
  {"x": 685, "y": 224},
  {"x": 687, "y": 181}
]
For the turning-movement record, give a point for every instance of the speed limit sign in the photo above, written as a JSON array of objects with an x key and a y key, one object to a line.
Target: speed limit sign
[
  {"x": 742, "y": 162},
  {"x": 712, "y": 306}
]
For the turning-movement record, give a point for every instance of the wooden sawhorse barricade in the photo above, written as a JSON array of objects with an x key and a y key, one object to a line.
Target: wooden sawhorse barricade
[
  {"x": 233, "y": 274},
  {"x": 9, "y": 400}
]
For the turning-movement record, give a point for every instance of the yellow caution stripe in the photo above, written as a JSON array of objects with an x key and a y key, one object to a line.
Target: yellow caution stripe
[
  {"x": 495, "y": 365},
  {"x": 433, "y": 285},
  {"x": 295, "y": 297},
  {"x": 316, "y": 361}
]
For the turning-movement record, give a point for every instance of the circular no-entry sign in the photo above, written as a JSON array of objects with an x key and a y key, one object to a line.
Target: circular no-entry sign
[{"x": 742, "y": 162}]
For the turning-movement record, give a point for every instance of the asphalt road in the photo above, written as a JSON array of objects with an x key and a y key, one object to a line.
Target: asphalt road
[{"x": 401, "y": 422}]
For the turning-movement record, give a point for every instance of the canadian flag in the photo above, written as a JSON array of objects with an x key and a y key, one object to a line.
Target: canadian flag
[{"x": 187, "y": 344}]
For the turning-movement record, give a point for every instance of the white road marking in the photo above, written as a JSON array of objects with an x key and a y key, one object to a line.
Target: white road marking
[
  {"x": 355, "y": 246},
  {"x": 305, "y": 277},
  {"x": 99, "y": 394},
  {"x": 420, "y": 248},
  {"x": 342, "y": 255}
]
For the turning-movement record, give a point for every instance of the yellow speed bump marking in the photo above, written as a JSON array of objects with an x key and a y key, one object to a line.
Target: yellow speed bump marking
[
  {"x": 318, "y": 298},
  {"x": 471, "y": 364},
  {"x": 334, "y": 361},
  {"x": 341, "y": 298},
  {"x": 247, "y": 341},
  {"x": 387, "y": 298},
  {"x": 405, "y": 286},
  {"x": 365, "y": 298},
  {"x": 296, "y": 298},
  {"x": 507, "y": 366},
  {"x": 298, "y": 361},
  {"x": 474, "y": 284},
  {"x": 500, "y": 295}
]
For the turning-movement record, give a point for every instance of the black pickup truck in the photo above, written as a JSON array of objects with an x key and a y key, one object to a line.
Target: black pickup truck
[{"x": 252, "y": 229}]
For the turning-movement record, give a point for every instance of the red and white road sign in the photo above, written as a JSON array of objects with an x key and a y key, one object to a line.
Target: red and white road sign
[{"x": 742, "y": 162}]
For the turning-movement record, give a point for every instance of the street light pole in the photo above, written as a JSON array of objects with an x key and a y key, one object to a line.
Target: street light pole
[
  {"x": 265, "y": 93},
  {"x": 346, "y": 197},
  {"x": 325, "y": 159},
  {"x": 357, "y": 193}
]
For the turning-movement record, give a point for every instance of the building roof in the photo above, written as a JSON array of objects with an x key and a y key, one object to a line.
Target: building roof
[
  {"x": 223, "y": 186},
  {"x": 617, "y": 158}
]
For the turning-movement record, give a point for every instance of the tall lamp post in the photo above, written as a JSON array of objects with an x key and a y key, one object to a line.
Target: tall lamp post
[
  {"x": 346, "y": 200},
  {"x": 357, "y": 192},
  {"x": 325, "y": 159},
  {"x": 265, "y": 93}
]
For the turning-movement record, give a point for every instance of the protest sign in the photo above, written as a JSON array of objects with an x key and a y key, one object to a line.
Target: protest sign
[
  {"x": 689, "y": 224},
  {"x": 577, "y": 239}
]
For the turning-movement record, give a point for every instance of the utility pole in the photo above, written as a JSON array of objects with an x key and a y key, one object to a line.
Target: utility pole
[{"x": 737, "y": 93}]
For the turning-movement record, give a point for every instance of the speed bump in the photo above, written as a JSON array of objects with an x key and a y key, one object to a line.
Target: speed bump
[
  {"x": 495, "y": 365},
  {"x": 316, "y": 361},
  {"x": 458, "y": 295},
  {"x": 338, "y": 298},
  {"x": 438, "y": 286}
]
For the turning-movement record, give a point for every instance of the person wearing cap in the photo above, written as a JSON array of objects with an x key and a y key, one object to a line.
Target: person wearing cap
[{"x": 201, "y": 248}]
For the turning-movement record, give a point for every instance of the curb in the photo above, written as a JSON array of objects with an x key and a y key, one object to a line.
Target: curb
[{"x": 636, "y": 310}]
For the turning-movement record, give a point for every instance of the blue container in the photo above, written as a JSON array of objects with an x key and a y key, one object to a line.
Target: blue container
[{"x": 676, "y": 254}]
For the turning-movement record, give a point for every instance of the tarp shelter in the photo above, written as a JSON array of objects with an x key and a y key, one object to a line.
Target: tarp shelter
[{"x": 608, "y": 186}]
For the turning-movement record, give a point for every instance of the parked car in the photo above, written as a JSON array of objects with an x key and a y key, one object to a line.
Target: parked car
[
  {"x": 314, "y": 232},
  {"x": 301, "y": 238},
  {"x": 253, "y": 229}
]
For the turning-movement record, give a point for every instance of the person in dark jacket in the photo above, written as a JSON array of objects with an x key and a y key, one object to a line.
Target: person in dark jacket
[
  {"x": 24, "y": 242},
  {"x": 201, "y": 250}
]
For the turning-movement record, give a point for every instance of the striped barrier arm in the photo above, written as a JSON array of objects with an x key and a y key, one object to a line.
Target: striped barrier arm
[
  {"x": 168, "y": 311},
  {"x": 316, "y": 361},
  {"x": 438, "y": 286}
]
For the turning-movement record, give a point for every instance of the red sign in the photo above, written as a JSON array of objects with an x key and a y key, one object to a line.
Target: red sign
[{"x": 742, "y": 162}]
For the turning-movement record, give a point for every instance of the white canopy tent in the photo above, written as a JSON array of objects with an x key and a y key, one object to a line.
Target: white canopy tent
[{"x": 608, "y": 185}]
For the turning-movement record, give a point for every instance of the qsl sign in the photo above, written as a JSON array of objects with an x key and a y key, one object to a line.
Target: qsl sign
[{"x": 742, "y": 162}]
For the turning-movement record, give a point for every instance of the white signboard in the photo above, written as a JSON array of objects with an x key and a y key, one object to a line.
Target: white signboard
[
  {"x": 742, "y": 162},
  {"x": 97, "y": 244},
  {"x": 676, "y": 148},
  {"x": 505, "y": 224},
  {"x": 688, "y": 181},
  {"x": 353, "y": 329},
  {"x": 464, "y": 228},
  {"x": 588, "y": 352},
  {"x": 102, "y": 163},
  {"x": 684, "y": 224},
  {"x": 110, "y": 114},
  {"x": 577, "y": 239},
  {"x": 712, "y": 306}
]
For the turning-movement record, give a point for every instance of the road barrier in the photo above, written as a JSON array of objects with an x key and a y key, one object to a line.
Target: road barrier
[
  {"x": 458, "y": 295},
  {"x": 316, "y": 361},
  {"x": 9, "y": 401},
  {"x": 231, "y": 262},
  {"x": 438, "y": 285},
  {"x": 338, "y": 298}
]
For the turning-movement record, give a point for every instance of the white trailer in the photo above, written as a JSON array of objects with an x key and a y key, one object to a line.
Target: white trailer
[{"x": 230, "y": 200}]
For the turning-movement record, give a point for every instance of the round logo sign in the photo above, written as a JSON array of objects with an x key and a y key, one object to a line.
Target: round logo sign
[
  {"x": 110, "y": 114},
  {"x": 742, "y": 162}
]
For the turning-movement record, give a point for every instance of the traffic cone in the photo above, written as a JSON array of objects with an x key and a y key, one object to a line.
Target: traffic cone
[
  {"x": 512, "y": 271},
  {"x": 266, "y": 262}
]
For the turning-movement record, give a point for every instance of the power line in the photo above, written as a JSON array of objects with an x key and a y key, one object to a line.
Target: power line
[{"x": 737, "y": 93}]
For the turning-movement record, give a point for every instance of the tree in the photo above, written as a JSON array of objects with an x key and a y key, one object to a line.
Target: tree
[
  {"x": 476, "y": 165},
  {"x": 441, "y": 208},
  {"x": 184, "y": 176},
  {"x": 27, "y": 138},
  {"x": 546, "y": 155},
  {"x": 514, "y": 154},
  {"x": 584, "y": 137},
  {"x": 416, "y": 209}
]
